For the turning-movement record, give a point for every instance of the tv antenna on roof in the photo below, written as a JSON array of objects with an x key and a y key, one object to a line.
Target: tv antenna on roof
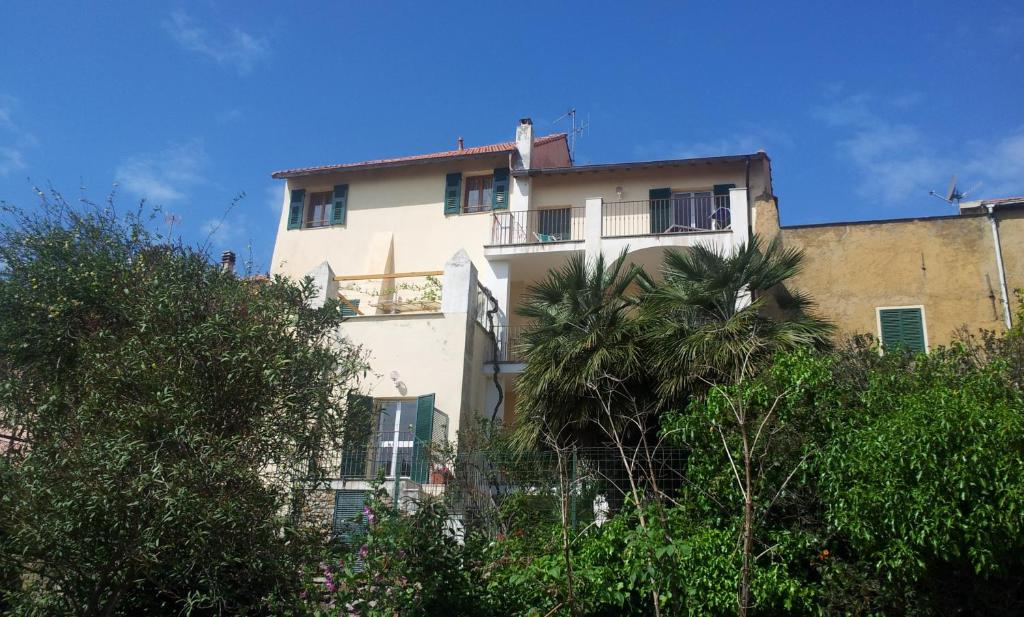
[
  {"x": 575, "y": 131},
  {"x": 953, "y": 195}
]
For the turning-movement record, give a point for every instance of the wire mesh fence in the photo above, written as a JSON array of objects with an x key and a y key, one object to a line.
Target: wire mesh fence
[{"x": 499, "y": 493}]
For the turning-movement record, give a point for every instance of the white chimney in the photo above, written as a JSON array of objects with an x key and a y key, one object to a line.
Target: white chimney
[{"x": 524, "y": 142}]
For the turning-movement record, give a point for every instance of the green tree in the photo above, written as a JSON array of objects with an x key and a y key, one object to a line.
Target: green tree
[
  {"x": 923, "y": 479},
  {"x": 717, "y": 316},
  {"x": 582, "y": 331},
  {"x": 168, "y": 406}
]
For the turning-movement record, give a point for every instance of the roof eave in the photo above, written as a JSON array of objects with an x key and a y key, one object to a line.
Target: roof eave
[
  {"x": 707, "y": 160},
  {"x": 298, "y": 173}
]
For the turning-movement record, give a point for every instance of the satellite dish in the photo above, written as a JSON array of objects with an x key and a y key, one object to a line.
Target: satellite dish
[
  {"x": 953, "y": 195},
  {"x": 951, "y": 191}
]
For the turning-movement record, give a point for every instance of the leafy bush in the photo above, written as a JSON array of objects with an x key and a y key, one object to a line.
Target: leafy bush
[
  {"x": 405, "y": 564},
  {"x": 167, "y": 405}
]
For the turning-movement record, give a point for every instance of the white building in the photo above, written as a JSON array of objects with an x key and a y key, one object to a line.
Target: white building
[{"x": 411, "y": 244}]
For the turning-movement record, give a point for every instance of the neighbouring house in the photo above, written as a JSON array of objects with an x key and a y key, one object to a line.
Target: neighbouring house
[
  {"x": 430, "y": 254},
  {"x": 916, "y": 281}
]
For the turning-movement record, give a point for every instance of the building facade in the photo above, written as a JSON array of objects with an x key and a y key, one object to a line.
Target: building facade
[
  {"x": 431, "y": 254},
  {"x": 920, "y": 282}
]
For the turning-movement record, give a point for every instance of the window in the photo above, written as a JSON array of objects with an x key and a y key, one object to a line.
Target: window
[
  {"x": 396, "y": 434},
  {"x": 902, "y": 327},
  {"x": 478, "y": 193},
  {"x": 318, "y": 212},
  {"x": 348, "y": 513}
]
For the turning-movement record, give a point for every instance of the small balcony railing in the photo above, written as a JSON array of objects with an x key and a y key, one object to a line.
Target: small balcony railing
[
  {"x": 509, "y": 343},
  {"x": 389, "y": 455},
  {"x": 678, "y": 215},
  {"x": 390, "y": 294},
  {"x": 537, "y": 226}
]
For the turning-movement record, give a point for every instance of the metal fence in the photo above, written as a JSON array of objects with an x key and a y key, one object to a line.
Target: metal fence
[
  {"x": 676, "y": 215},
  {"x": 537, "y": 226},
  {"x": 502, "y": 493},
  {"x": 509, "y": 340}
]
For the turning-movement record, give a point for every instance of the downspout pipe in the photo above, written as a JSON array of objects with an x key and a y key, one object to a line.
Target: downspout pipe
[{"x": 1007, "y": 317}]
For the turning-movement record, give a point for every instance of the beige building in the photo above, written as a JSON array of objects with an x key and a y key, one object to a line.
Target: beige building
[
  {"x": 916, "y": 281},
  {"x": 430, "y": 255},
  {"x": 415, "y": 246}
]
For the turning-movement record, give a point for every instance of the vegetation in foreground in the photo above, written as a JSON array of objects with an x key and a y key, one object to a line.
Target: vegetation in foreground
[{"x": 166, "y": 406}]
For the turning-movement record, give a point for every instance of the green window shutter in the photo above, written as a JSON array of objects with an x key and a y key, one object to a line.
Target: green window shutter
[
  {"x": 499, "y": 196},
  {"x": 346, "y": 310},
  {"x": 295, "y": 210},
  {"x": 339, "y": 210},
  {"x": 452, "y": 193},
  {"x": 660, "y": 209},
  {"x": 356, "y": 435},
  {"x": 423, "y": 438},
  {"x": 348, "y": 513},
  {"x": 902, "y": 328}
]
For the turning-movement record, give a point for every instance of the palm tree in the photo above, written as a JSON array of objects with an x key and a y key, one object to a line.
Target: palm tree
[
  {"x": 717, "y": 317},
  {"x": 583, "y": 330}
]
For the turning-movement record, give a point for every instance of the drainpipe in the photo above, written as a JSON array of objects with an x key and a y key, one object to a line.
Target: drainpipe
[{"x": 999, "y": 265}]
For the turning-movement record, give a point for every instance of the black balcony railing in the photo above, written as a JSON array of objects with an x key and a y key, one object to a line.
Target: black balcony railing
[
  {"x": 387, "y": 455},
  {"x": 677, "y": 215},
  {"x": 537, "y": 226},
  {"x": 509, "y": 343}
]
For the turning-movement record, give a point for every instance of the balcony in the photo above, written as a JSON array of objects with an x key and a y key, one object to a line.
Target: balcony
[
  {"x": 390, "y": 294},
  {"x": 679, "y": 215},
  {"x": 683, "y": 220},
  {"x": 547, "y": 226},
  {"x": 508, "y": 339}
]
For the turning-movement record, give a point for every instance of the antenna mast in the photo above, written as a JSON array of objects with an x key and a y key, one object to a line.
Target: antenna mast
[{"x": 575, "y": 130}]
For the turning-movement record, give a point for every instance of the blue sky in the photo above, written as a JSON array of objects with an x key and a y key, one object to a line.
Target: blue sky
[{"x": 863, "y": 106}]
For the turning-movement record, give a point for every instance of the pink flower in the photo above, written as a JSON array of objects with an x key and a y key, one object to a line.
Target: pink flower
[
  {"x": 363, "y": 552},
  {"x": 369, "y": 514}
]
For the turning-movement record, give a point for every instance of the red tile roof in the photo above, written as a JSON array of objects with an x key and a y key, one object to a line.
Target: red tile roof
[{"x": 505, "y": 146}]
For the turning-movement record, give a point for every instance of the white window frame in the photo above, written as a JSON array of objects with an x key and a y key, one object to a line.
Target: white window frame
[
  {"x": 395, "y": 442},
  {"x": 878, "y": 323}
]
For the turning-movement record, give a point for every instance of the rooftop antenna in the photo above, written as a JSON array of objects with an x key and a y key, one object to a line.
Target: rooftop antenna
[
  {"x": 953, "y": 195},
  {"x": 575, "y": 131}
]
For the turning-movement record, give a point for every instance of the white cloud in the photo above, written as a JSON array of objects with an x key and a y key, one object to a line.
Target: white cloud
[
  {"x": 745, "y": 142},
  {"x": 999, "y": 165},
  {"x": 230, "y": 47},
  {"x": 14, "y": 140},
  {"x": 229, "y": 116},
  {"x": 165, "y": 176},
  {"x": 222, "y": 232},
  {"x": 275, "y": 197},
  {"x": 11, "y": 159},
  {"x": 893, "y": 160},
  {"x": 897, "y": 161}
]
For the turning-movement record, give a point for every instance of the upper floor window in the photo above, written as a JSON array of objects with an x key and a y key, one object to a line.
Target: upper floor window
[
  {"x": 318, "y": 211},
  {"x": 479, "y": 193}
]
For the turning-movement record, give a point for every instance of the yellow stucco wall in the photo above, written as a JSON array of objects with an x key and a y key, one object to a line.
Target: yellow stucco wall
[
  {"x": 405, "y": 203},
  {"x": 947, "y": 265},
  {"x": 573, "y": 189},
  {"x": 427, "y": 350},
  {"x": 396, "y": 223}
]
